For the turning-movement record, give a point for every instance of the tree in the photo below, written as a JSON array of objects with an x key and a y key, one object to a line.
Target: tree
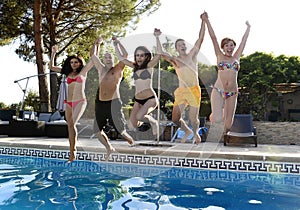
[
  {"x": 71, "y": 24},
  {"x": 32, "y": 101},
  {"x": 38, "y": 40},
  {"x": 257, "y": 78}
]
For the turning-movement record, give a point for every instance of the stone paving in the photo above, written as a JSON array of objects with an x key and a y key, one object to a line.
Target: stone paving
[
  {"x": 264, "y": 152},
  {"x": 277, "y": 141}
]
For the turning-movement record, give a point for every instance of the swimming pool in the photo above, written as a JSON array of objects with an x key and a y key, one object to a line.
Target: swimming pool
[{"x": 45, "y": 183}]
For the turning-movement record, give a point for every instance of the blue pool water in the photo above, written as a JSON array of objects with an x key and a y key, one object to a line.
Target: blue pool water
[{"x": 40, "y": 183}]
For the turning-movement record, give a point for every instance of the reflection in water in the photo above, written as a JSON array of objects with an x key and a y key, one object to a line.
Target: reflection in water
[{"x": 35, "y": 183}]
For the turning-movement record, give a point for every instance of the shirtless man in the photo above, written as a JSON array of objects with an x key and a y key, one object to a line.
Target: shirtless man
[
  {"x": 108, "y": 105},
  {"x": 188, "y": 92}
]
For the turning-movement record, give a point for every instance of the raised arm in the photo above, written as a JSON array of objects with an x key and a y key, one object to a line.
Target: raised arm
[
  {"x": 123, "y": 51},
  {"x": 212, "y": 34},
  {"x": 121, "y": 56},
  {"x": 159, "y": 52},
  {"x": 195, "y": 50},
  {"x": 96, "y": 47},
  {"x": 241, "y": 47},
  {"x": 95, "y": 54},
  {"x": 168, "y": 57},
  {"x": 51, "y": 64},
  {"x": 87, "y": 67}
]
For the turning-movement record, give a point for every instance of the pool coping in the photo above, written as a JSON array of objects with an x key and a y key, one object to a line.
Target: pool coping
[
  {"x": 280, "y": 153},
  {"x": 209, "y": 155}
]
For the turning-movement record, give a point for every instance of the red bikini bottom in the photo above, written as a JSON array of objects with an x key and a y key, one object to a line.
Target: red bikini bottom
[{"x": 73, "y": 104}]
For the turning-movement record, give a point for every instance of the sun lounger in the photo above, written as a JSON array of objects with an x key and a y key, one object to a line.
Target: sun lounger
[{"x": 242, "y": 128}]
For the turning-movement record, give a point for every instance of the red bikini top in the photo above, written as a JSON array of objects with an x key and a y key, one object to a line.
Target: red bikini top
[{"x": 76, "y": 79}]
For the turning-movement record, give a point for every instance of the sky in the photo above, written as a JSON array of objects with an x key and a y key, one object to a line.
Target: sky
[{"x": 274, "y": 29}]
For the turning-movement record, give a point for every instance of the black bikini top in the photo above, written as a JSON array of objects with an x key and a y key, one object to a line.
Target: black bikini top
[{"x": 143, "y": 75}]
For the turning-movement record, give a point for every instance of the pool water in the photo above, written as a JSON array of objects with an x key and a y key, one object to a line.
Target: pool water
[{"x": 40, "y": 183}]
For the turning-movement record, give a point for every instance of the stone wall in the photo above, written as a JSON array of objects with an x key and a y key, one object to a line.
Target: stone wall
[
  {"x": 278, "y": 132},
  {"x": 285, "y": 133}
]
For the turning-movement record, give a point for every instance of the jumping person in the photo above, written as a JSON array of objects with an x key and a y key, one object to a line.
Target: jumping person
[
  {"x": 145, "y": 99},
  {"x": 108, "y": 104},
  {"x": 76, "y": 71},
  {"x": 225, "y": 90},
  {"x": 189, "y": 92}
]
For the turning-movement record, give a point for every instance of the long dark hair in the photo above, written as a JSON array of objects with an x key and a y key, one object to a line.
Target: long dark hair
[
  {"x": 67, "y": 69},
  {"x": 148, "y": 58}
]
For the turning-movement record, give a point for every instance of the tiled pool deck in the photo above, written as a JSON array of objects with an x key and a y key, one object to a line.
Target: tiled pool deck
[{"x": 208, "y": 155}]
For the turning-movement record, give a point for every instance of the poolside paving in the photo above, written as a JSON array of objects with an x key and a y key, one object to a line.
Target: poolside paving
[{"x": 264, "y": 152}]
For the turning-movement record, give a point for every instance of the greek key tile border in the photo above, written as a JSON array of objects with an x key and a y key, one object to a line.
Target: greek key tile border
[
  {"x": 164, "y": 161},
  {"x": 190, "y": 175}
]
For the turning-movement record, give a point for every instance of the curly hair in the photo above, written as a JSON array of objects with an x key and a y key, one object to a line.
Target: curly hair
[
  {"x": 147, "y": 60},
  {"x": 67, "y": 69}
]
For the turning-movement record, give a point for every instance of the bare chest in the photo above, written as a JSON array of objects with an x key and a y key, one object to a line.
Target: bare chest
[
  {"x": 186, "y": 62},
  {"x": 110, "y": 75}
]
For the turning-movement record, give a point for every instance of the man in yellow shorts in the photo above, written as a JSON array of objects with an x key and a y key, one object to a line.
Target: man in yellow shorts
[
  {"x": 188, "y": 95},
  {"x": 188, "y": 92}
]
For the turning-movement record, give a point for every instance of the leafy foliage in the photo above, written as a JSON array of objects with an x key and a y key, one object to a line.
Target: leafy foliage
[
  {"x": 73, "y": 25},
  {"x": 32, "y": 101},
  {"x": 257, "y": 78}
]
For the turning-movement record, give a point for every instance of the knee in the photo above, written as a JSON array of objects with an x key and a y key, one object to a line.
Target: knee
[
  {"x": 101, "y": 133},
  {"x": 71, "y": 126},
  {"x": 139, "y": 117},
  {"x": 176, "y": 118},
  {"x": 215, "y": 118},
  {"x": 194, "y": 118},
  {"x": 195, "y": 121},
  {"x": 176, "y": 121}
]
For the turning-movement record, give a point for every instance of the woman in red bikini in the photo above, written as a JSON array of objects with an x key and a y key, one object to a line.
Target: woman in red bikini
[
  {"x": 225, "y": 90},
  {"x": 76, "y": 71},
  {"x": 145, "y": 99}
]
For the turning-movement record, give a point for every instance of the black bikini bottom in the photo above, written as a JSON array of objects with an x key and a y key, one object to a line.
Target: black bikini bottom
[{"x": 143, "y": 101}]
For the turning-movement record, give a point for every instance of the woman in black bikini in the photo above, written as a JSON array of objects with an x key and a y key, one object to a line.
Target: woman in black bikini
[
  {"x": 145, "y": 99},
  {"x": 225, "y": 90}
]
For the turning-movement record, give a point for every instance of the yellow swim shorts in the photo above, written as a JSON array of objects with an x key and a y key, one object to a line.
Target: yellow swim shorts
[{"x": 188, "y": 95}]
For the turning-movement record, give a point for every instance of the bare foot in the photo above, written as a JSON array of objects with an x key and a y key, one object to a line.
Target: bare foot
[
  {"x": 197, "y": 139},
  {"x": 72, "y": 156},
  {"x": 187, "y": 134},
  {"x": 128, "y": 138},
  {"x": 109, "y": 151},
  {"x": 131, "y": 142}
]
